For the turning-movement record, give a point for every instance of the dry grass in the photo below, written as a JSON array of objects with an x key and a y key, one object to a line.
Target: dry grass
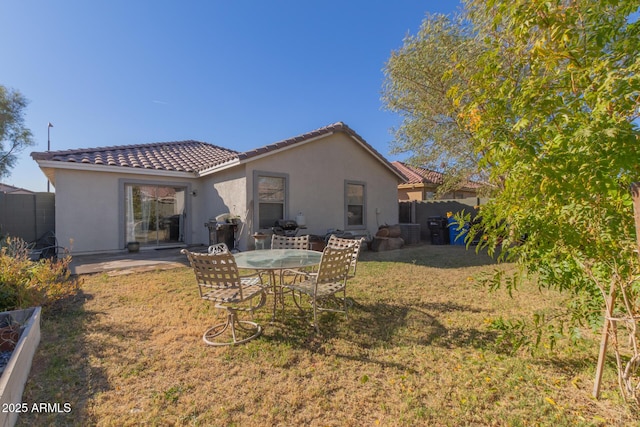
[{"x": 415, "y": 350}]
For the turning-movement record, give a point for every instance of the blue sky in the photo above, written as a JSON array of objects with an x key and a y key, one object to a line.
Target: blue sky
[{"x": 239, "y": 74}]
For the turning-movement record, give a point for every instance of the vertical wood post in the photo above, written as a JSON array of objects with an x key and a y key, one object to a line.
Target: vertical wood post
[
  {"x": 604, "y": 340},
  {"x": 414, "y": 215},
  {"x": 635, "y": 192}
]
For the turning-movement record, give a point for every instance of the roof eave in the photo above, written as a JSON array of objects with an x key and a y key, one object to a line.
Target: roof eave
[
  {"x": 48, "y": 165},
  {"x": 220, "y": 167}
]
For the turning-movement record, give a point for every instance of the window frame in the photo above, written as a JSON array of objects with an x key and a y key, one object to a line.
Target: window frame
[
  {"x": 123, "y": 238},
  {"x": 348, "y": 226},
  {"x": 257, "y": 174}
]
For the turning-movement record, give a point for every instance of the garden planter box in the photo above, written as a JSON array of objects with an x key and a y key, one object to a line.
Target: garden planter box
[
  {"x": 9, "y": 336},
  {"x": 25, "y": 326}
]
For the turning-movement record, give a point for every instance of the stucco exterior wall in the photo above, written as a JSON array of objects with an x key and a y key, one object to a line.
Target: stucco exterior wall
[
  {"x": 316, "y": 173},
  {"x": 90, "y": 208},
  {"x": 87, "y": 214},
  {"x": 406, "y": 194},
  {"x": 223, "y": 192}
]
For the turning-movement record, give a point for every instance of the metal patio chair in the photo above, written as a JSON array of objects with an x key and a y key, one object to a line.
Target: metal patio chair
[
  {"x": 288, "y": 242},
  {"x": 219, "y": 282},
  {"x": 279, "y": 241},
  {"x": 330, "y": 279},
  {"x": 355, "y": 244},
  {"x": 217, "y": 249}
]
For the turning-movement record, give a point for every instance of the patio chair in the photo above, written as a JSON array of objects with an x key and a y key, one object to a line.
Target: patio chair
[
  {"x": 356, "y": 244},
  {"x": 290, "y": 242},
  {"x": 217, "y": 249},
  {"x": 219, "y": 282},
  {"x": 287, "y": 242},
  {"x": 330, "y": 280}
]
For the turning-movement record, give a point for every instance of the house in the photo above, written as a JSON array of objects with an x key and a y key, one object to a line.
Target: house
[
  {"x": 422, "y": 184},
  {"x": 10, "y": 189},
  {"x": 164, "y": 194}
]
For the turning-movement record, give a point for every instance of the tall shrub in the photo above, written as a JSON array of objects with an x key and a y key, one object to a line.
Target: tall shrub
[{"x": 25, "y": 283}]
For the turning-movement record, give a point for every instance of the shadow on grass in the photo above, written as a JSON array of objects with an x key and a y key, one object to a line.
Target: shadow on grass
[
  {"x": 437, "y": 256},
  {"x": 62, "y": 363},
  {"x": 380, "y": 325}
]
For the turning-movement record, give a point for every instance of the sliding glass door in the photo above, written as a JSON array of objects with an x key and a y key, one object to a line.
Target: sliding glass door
[{"x": 154, "y": 214}]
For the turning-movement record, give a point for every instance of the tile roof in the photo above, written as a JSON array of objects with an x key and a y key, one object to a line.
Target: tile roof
[
  {"x": 189, "y": 156},
  {"x": 416, "y": 175},
  {"x": 182, "y": 156}
]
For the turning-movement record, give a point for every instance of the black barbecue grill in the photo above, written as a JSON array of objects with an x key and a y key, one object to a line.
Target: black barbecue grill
[
  {"x": 222, "y": 232},
  {"x": 285, "y": 227}
]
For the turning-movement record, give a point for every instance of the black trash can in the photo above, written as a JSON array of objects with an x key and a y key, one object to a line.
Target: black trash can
[{"x": 438, "y": 228}]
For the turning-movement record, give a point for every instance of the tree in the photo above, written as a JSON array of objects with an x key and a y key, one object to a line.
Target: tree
[
  {"x": 14, "y": 136},
  {"x": 422, "y": 85},
  {"x": 551, "y": 107}
]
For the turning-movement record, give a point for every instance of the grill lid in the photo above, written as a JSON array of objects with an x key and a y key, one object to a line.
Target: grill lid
[{"x": 286, "y": 224}]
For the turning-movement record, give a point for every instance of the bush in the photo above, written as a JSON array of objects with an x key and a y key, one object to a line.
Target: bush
[{"x": 25, "y": 283}]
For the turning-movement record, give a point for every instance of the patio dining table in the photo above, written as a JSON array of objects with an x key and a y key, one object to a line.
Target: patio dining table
[{"x": 274, "y": 260}]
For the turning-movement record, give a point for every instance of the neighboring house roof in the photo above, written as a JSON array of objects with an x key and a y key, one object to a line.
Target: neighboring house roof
[
  {"x": 414, "y": 175},
  {"x": 198, "y": 158},
  {"x": 4, "y": 188}
]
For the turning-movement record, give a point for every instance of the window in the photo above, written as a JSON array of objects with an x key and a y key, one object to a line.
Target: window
[
  {"x": 355, "y": 204},
  {"x": 271, "y": 195}
]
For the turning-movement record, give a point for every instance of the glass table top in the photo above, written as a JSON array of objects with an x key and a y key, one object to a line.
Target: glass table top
[{"x": 277, "y": 259}]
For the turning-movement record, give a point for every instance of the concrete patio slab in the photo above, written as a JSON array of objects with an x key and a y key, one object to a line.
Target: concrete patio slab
[{"x": 125, "y": 262}]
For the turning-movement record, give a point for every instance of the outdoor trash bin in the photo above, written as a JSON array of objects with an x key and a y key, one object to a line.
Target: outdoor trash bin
[
  {"x": 457, "y": 233},
  {"x": 438, "y": 228}
]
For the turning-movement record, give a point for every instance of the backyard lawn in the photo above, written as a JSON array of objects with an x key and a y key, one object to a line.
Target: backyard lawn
[{"x": 416, "y": 349}]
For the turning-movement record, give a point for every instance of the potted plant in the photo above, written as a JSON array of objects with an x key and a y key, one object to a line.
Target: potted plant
[{"x": 133, "y": 246}]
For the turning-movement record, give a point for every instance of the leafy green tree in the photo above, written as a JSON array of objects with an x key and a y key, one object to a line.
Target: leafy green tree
[
  {"x": 14, "y": 136},
  {"x": 550, "y": 103},
  {"x": 423, "y": 81},
  {"x": 556, "y": 124}
]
